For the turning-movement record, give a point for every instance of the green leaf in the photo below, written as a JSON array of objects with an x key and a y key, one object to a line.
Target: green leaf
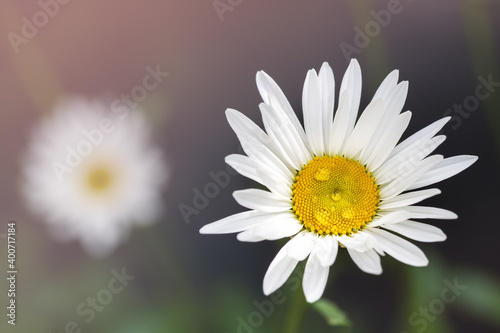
[
  {"x": 482, "y": 297},
  {"x": 333, "y": 315}
]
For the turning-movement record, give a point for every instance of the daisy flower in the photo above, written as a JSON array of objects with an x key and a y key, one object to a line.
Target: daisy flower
[
  {"x": 91, "y": 175},
  {"x": 336, "y": 182}
]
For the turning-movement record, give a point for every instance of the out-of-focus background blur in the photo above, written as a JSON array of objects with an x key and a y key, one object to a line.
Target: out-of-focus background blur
[{"x": 185, "y": 282}]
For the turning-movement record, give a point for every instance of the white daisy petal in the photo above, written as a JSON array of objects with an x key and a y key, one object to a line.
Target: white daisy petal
[
  {"x": 327, "y": 85},
  {"x": 401, "y": 184},
  {"x": 285, "y": 225},
  {"x": 272, "y": 94},
  {"x": 248, "y": 132},
  {"x": 361, "y": 241},
  {"x": 445, "y": 169},
  {"x": 277, "y": 138},
  {"x": 249, "y": 236},
  {"x": 326, "y": 250},
  {"x": 241, "y": 124},
  {"x": 259, "y": 152},
  {"x": 313, "y": 118},
  {"x": 352, "y": 82},
  {"x": 399, "y": 248},
  {"x": 339, "y": 128},
  {"x": 409, "y": 198},
  {"x": 391, "y": 218},
  {"x": 421, "y": 232},
  {"x": 237, "y": 222},
  {"x": 421, "y": 136},
  {"x": 401, "y": 165},
  {"x": 281, "y": 130},
  {"x": 420, "y": 212},
  {"x": 279, "y": 271},
  {"x": 259, "y": 172},
  {"x": 262, "y": 200},
  {"x": 300, "y": 246},
  {"x": 315, "y": 278},
  {"x": 368, "y": 261},
  {"x": 387, "y": 85},
  {"x": 393, "y": 104},
  {"x": 388, "y": 141},
  {"x": 350, "y": 95},
  {"x": 396, "y": 101},
  {"x": 365, "y": 128}
]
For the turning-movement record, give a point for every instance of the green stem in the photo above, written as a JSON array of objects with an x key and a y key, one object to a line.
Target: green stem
[{"x": 296, "y": 312}]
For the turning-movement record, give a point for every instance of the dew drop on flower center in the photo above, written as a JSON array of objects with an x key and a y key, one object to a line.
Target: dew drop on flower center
[{"x": 334, "y": 195}]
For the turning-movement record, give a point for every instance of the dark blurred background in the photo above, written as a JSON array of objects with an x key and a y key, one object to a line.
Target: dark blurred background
[{"x": 185, "y": 282}]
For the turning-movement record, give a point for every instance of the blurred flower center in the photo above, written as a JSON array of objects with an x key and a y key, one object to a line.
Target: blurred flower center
[
  {"x": 99, "y": 179},
  {"x": 334, "y": 195}
]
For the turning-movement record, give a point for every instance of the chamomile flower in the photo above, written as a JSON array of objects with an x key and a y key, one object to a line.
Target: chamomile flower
[
  {"x": 336, "y": 182},
  {"x": 91, "y": 174}
]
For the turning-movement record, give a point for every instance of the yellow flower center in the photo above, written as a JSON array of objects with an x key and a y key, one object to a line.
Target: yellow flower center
[
  {"x": 99, "y": 179},
  {"x": 334, "y": 195}
]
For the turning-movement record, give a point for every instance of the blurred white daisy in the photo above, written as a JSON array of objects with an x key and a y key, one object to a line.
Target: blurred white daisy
[
  {"x": 337, "y": 181},
  {"x": 92, "y": 174}
]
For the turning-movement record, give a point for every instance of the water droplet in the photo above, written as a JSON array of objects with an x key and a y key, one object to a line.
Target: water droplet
[
  {"x": 322, "y": 174},
  {"x": 336, "y": 196},
  {"x": 322, "y": 215},
  {"x": 347, "y": 213}
]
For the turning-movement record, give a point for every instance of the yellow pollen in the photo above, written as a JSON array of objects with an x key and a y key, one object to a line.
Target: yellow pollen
[
  {"x": 334, "y": 195},
  {"x": 99, "y": 179}
]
